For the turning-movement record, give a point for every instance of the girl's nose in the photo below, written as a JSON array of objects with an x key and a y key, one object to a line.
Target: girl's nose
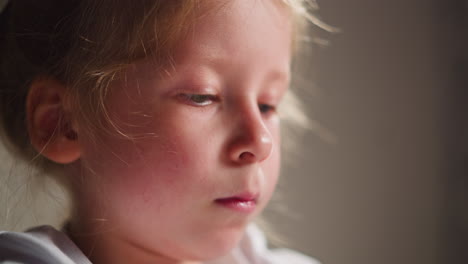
[{"x": 252, "y": 142}]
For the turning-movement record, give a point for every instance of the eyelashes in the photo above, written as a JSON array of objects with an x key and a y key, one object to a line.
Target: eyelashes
[
  {"x": 266, "y": 108},
  {"x": 199, "y": 99},
  {"x": 205, "y": 100}
]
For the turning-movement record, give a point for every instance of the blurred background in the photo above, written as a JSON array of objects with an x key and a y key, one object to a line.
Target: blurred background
[
  {"x": 392, "y": 87},
  {"x": 393, "y": 187}
]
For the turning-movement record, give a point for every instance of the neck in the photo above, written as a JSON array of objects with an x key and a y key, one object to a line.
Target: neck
[{"x": 104, "y": 245}]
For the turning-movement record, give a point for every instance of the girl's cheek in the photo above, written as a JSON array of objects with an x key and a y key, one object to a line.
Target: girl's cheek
[{"x": 272, "y": 164}]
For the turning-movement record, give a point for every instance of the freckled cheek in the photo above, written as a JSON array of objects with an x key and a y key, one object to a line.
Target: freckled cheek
[{"x": 171, "y": 162}]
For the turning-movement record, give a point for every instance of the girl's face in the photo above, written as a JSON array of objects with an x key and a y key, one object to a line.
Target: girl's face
[{"x": 204, "y": 159}]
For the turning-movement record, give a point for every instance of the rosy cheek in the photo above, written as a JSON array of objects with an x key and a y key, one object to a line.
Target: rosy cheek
[{"x": 272, "y": 164}]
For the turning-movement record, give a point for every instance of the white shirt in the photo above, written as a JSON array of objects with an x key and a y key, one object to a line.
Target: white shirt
[{"x": 46, "y": 245}]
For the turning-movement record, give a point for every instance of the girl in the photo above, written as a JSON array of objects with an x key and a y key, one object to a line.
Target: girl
[{"x": 160, "y": 118}]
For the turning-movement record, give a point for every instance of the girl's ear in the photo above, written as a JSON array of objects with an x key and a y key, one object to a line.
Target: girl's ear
[{"x": 49, "y": 125}]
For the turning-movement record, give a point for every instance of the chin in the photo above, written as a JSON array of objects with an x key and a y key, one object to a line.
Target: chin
[{"x": 218, "y": 245}]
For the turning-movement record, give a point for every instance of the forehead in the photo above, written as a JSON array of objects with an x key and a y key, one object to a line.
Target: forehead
[{"x": 239, "y": 33}]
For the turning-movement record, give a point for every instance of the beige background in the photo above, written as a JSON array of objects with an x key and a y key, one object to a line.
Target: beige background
[
  {"x": 392, "y": 88},
  {"x": 388, "y": 88}
]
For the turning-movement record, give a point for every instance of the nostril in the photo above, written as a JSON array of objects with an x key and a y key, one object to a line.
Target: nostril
[{"x": 247, "y": 157}]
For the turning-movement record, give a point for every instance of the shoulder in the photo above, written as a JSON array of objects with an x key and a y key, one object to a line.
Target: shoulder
[{"x": 39, "y": 245}]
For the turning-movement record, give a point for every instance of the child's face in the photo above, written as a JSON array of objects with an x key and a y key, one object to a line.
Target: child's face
[{"x": 205, "y": 159}]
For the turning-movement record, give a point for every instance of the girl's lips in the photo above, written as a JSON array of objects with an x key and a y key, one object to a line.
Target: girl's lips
[{"x": 244, "y": 204}]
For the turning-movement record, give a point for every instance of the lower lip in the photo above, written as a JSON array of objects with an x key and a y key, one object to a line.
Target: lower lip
[{"x": 244, "y": 206}]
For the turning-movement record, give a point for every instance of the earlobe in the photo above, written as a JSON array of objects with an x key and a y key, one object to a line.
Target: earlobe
[{"x": 49, "y": 124}]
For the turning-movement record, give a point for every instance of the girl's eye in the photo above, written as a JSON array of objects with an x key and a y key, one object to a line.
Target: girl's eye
[
  {"x": 266, "y": 108},
  {"x": 199, "y": 99}
]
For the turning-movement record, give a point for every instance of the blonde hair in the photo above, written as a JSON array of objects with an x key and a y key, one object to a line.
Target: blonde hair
[{"x": 85, "y": 44}]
